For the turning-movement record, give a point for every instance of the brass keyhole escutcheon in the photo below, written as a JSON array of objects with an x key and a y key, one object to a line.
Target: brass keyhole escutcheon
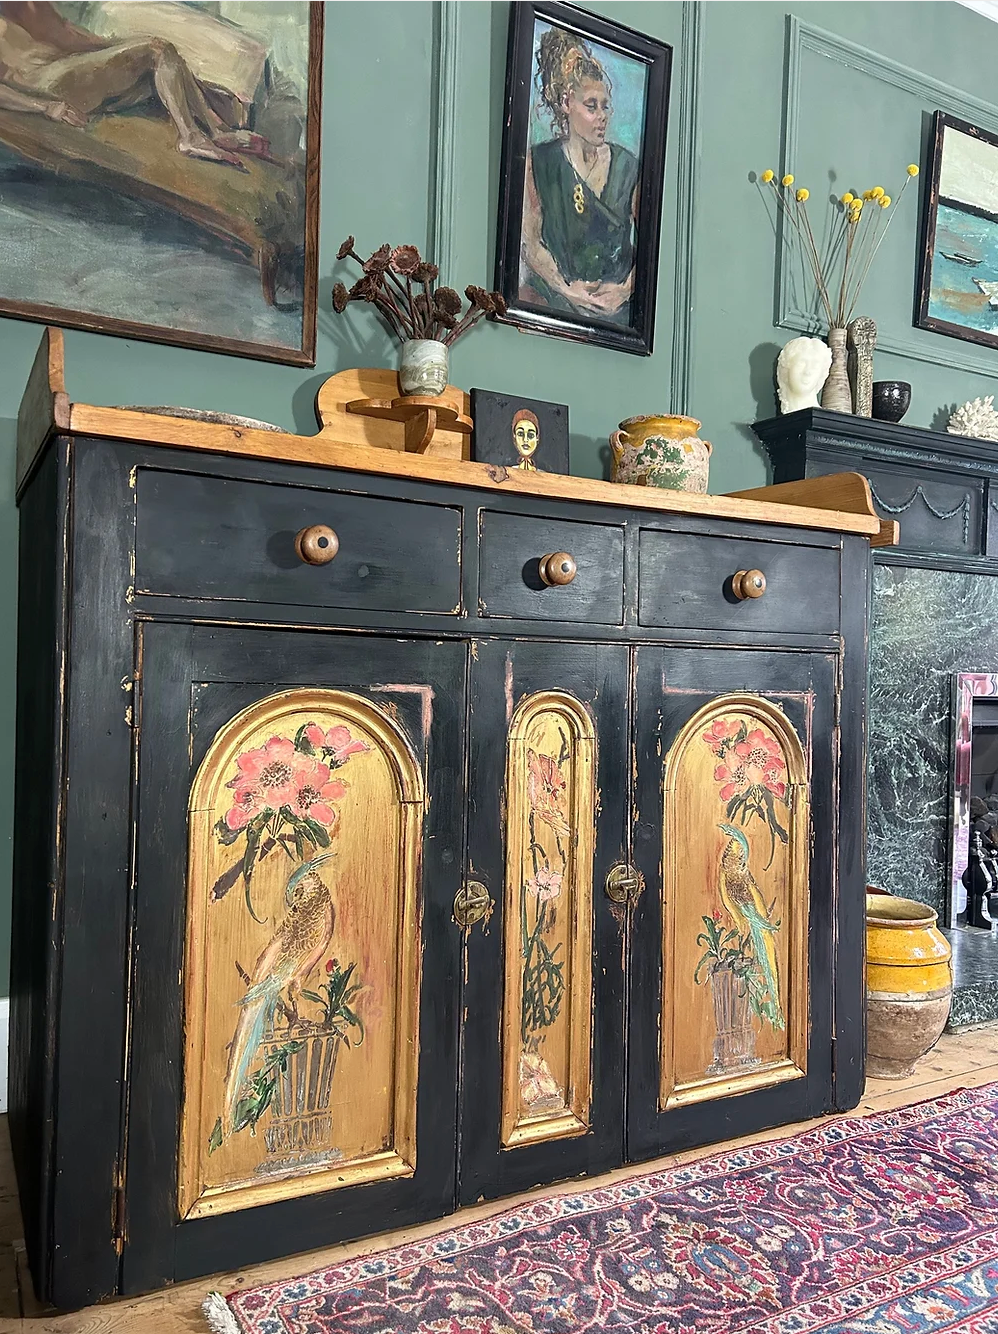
[
  {"x": 748, "y": 584},
  {"x": 624, "y": 883},
  {"x": 472, "y": 904}
]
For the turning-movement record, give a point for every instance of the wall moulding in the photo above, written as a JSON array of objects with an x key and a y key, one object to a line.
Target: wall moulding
[
  {"x": 690, "y": 72},
  {"x": 804, "y": 40}
]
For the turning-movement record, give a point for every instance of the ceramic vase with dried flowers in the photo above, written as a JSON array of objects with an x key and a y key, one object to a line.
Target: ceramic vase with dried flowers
[
  {"x": 839, "y": 272},
  {"x": 426, "y": 319}
]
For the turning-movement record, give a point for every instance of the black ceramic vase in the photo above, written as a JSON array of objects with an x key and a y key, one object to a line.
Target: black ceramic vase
[{"x": 891, "y": 400}]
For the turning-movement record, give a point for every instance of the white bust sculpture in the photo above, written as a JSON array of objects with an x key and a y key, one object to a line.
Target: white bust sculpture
[{"x": 801, "y": 371}]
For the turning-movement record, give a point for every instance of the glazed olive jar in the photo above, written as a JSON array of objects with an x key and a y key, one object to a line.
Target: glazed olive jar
[{"x": 909, "y": 984}]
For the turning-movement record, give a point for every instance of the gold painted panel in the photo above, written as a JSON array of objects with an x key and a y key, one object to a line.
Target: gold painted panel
[
  {"x": 735, "y": 903},
  {"x": 547, "y": 1005},
  {"x": 302, "y": 954}
]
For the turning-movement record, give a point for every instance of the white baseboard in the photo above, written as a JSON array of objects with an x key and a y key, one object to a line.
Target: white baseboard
[{"x": 4, "y": 1024}]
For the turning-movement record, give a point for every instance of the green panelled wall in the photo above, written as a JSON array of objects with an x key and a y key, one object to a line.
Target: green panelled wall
[{"x": 404, "y": 158}]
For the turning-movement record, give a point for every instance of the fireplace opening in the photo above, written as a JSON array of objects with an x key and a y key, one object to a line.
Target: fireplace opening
[{"x": 974, "y": 802}]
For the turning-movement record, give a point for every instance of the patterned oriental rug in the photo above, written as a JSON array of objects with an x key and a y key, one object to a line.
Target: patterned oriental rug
[{"x": 885, "y": 1224}]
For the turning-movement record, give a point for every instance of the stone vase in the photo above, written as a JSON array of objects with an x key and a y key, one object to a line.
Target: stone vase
[
  {"x": 909, "y": 984},
  {"x": 837, "y": 393},
  {"x": 423, "y": 367}
]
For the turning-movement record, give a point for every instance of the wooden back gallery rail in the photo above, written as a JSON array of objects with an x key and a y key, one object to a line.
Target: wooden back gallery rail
[{"x": 394, "y": 831}]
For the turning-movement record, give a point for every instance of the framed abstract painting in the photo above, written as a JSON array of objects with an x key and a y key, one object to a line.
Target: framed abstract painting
[
  {"x": 159, "y": 169},
  {"x": 582, "y": 174},
  {"x": 958, "y": 291}
]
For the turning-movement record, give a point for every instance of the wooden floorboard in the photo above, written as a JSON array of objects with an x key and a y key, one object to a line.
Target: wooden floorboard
[{"x": 961, "y": 1060}]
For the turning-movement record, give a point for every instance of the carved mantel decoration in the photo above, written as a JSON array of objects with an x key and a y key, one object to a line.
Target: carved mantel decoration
[{"x": 942, "y": 488}]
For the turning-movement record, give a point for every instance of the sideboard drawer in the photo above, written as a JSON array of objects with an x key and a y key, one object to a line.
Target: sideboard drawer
[
  {"x": 510, "y": 583},
  {"x": 685, "y": 580},
  {"x": 215, "y": 537}
]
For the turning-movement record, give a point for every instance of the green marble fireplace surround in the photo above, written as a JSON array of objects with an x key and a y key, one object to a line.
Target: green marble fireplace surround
[{"x": 935, "y": 613}]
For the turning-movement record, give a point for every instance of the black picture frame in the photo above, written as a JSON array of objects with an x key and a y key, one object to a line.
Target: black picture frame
[
  {"x": 637, "y": 336},
  {"x": 492, "y": 438},
  {"x": 929, "y": 230}
]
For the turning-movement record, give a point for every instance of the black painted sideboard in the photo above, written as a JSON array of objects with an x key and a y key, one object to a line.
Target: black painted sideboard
[{"x": 390, "y": 833}]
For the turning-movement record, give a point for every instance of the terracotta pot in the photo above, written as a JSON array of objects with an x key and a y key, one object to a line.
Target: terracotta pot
[
  {"x": 661, "y": 451},
  {"x": 909, "y": 984}
]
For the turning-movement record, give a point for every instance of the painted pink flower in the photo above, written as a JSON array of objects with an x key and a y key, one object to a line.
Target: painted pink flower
[
  {"x": 336, "y": 744},
  {"x": 733, "y": 779},
  {"x": 342, "y": 745},
  {"x": 537, "y": 1083},
  {"x": 273, "y": 769},
  {"x": 762, "y": 760},
  {"x": 546, "y": 791},
  {"x": 316, "y": 792},
  {"x": 248, "y": 803},
  {"x": 721, "y": 734},
  {"x": 546, "y": 884}
]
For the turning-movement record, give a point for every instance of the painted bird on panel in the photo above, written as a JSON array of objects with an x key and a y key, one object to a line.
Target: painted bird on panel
[
  {"x": 296, "y": 947},
  {"x": 745, "y": 902}
]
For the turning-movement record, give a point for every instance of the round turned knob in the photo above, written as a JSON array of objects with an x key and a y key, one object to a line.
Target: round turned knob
[
  {"x": 317, "y": 545},
  {"x": 557, "y": 568},
  {"x": 748, "y": 584}
]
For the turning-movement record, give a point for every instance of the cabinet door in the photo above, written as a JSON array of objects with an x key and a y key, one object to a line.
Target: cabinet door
[
  {"x": 294, "y": 1021},
  {"x": 542, "y": 1047},
  {"x": 731, "y": 1000}
]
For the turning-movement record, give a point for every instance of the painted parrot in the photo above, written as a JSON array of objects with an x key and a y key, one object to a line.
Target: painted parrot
[
  {"x": 295, "y": 948},
  {"x": 744, "y": 901}
]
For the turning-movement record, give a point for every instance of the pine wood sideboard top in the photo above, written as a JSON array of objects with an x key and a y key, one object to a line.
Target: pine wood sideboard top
[{"x": 838, "y": 503}]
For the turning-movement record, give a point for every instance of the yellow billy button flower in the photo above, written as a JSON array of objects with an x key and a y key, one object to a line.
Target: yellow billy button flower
[
  {"x": 884, "y": 201},
  {"x": 788, "y": 179},
  {"x": 767, "y": 176},
  {"x": 877, "y": 192},
  {"x": 802, "y": 195},
  {"x": 867, "y": 194},
  {"x": 912, "y": 169},
  {"x": 848, "y": 197}
]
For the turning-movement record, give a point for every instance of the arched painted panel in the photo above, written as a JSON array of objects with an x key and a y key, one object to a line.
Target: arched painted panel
[
  {"x": 547, "y": 1006},
  {"x": 735, "y": 903},
  {"x": 302, "y": 954}
]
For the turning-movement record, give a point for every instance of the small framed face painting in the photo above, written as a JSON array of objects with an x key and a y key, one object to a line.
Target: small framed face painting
[
  {"x": 581, "y": 182},
  {"x": 959, "y": 287},
  {"x": 519, "y": 433}
]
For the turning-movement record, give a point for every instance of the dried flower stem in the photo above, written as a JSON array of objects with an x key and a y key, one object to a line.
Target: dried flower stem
[{"x": 389, "y": 284}]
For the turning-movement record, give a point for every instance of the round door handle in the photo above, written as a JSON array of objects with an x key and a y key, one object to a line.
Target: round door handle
[
  {"x": 558, "y": 567},
  {"x": 317, "y": 545},
  {"x": 748, "y": 584}
]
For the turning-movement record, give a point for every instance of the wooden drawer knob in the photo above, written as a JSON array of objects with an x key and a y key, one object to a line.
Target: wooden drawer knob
[
  {"x": 748, "y": 584},
  {"x": 317, "y": 545},
  {"x": 558, "y": 567}
]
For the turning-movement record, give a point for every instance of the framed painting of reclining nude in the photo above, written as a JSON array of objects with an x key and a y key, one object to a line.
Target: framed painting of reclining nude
[
  {"x": 581, "y": 184},
  {"x": 159, "y": 170}
]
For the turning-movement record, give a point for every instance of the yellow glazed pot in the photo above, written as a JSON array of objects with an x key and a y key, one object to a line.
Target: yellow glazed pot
[
  {"x": 661, "y": 451},
  {"x": 909, "y": 984}
]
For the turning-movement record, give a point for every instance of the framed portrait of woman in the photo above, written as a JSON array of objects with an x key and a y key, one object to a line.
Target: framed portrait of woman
[{"x": 583, "y": 163}]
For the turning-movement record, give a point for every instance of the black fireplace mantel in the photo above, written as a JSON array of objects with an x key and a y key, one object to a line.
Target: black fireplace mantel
[{"x": 942, "y": 488}]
